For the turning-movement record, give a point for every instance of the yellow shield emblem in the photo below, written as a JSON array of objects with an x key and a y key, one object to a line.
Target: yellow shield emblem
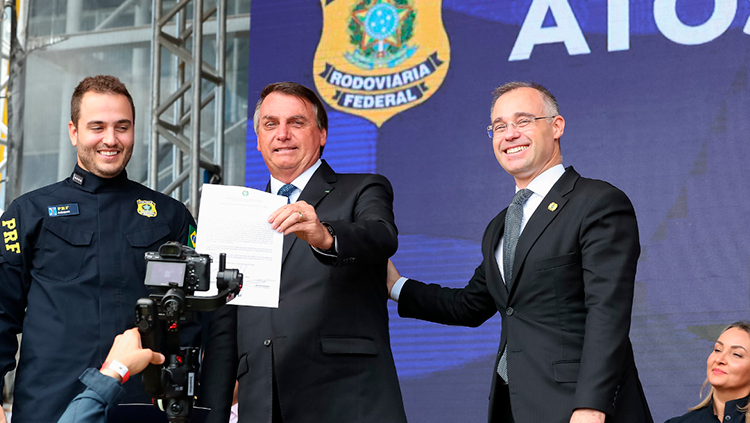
[
  {"x": 377, "y": 58},
  {"x": 146, "y": 208}
]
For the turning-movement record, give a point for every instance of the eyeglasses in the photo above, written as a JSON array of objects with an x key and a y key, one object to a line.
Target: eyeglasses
[{"x": 519, "y": 124}]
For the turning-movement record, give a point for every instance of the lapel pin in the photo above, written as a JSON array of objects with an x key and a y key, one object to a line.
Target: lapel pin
[
  {"x": 552, "y": 206},
  {"x": 327, "y": 191}
]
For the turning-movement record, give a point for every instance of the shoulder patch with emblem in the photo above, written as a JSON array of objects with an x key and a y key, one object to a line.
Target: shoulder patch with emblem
[{"x": 146, "y": 208}]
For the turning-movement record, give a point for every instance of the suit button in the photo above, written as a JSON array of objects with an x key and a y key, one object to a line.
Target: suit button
[
  {"x": 267, "y": 342},
  {"x": 509, "y": 311}
]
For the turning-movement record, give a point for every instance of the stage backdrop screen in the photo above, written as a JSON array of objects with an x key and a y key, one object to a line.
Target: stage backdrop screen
[{"x": 656, "y": 101}]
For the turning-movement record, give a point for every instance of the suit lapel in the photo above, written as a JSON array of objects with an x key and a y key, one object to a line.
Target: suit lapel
[
  {"x": 320, "y": 185},
  {"x": 542, "y": 217}
]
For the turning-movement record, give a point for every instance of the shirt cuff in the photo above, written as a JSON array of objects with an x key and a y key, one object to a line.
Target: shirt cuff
[
  {"x": 334, "y": 250},
  {"x": 107, "y": 387},
  {"x": 327, "y": 254},
  {"x": 396, "y": 290}
]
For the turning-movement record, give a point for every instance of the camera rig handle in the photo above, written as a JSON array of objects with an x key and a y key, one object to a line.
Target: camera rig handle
[{"x": 158, "y": 318}]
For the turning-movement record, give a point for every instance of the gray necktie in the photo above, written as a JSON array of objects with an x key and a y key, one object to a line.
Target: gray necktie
[
  {"x": 286, "y": 191},
  {"x": 513, "y": 218}
]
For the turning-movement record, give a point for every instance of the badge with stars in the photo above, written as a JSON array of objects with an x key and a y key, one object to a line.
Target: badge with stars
[
  {"x": 381, "y": 31},
  {"x": 378, "y": 58},
  {"x": 146, "y": 208}
]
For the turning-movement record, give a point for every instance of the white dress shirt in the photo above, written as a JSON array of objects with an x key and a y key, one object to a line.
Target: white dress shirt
[
  {"x": 540, "y": 186},
  {"x": 300, "y": 183}
]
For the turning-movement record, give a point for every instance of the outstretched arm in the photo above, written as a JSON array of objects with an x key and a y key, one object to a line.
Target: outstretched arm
[{"x": 104, "y": 388}]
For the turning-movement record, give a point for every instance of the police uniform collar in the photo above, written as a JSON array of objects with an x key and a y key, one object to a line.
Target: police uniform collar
[{"x": 87, "y": 181}]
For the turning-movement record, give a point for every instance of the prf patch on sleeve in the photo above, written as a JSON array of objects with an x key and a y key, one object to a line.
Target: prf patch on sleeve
[{"x": 10, "y": 236}]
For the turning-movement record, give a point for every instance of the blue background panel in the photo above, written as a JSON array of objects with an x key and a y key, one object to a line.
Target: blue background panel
[{"x": 665, "y": 122}]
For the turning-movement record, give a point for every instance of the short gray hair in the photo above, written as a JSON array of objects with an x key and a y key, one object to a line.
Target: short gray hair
[{"x": 550, "y": 102}]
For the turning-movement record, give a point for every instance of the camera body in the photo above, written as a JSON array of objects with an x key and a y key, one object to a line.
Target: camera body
[
  {"x": 173, "y": 274},
  {"x": 176, "y": 265}
]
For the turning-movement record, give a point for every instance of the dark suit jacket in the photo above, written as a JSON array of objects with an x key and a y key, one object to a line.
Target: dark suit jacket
[
  {"x": 567, "y": 317},
  {"x": 328, "y": 341}
]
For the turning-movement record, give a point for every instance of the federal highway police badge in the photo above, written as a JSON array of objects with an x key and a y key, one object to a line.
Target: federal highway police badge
[
  {"x": 377, "y": 58},
  {"x": 146, "y": 208}
]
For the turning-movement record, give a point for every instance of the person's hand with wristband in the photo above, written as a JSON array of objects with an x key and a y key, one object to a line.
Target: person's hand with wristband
[{"x": 127, "y": 356}]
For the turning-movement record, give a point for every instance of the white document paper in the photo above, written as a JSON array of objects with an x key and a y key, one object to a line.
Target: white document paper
[{"x": 233, "y": 220}]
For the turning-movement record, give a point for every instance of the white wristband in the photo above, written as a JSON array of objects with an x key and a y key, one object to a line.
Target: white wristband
[{"x": 118, "y": 368}]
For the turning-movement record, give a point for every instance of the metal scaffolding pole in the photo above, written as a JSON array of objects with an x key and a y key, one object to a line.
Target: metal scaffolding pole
[
  {"x": 183, "y": 131},
  {"x": 14, "y": 28},
  {"x": 5, "y": 31}
]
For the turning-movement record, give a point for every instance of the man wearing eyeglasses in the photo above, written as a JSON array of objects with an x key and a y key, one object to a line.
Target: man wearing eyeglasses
[{"x": 559, "y": 264}]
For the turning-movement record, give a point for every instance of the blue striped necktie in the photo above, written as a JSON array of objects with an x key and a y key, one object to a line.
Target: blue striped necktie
[{"x": 286, "y": 191}]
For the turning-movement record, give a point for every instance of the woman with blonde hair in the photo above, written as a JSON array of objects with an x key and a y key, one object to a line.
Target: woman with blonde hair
[{"x": 728, "y": 373}]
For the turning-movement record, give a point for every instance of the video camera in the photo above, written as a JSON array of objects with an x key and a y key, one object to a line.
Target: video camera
[
  {"x": 176, "y": 263},
  {"x": 173, "y": 274}
]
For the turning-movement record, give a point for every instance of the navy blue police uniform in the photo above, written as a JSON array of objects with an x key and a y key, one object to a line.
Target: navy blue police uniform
[{"x": 71, "y": 271}]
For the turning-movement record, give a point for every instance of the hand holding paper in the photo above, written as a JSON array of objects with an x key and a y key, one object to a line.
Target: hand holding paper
[
  {"x": 300, "y": 218},
  {"x": 233, "y": 220}
]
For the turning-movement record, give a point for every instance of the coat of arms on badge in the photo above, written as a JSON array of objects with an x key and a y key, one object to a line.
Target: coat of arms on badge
[
  {"x": 146, "y": 208},
  {"x": 380, "y": 34},
  {"x": 377, "y": 58}
]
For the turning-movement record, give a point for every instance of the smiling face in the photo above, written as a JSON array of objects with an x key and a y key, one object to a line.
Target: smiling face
[
  {"x": 528, "y": 152},
  {"x": 728, "y": 366},
  {"x": 288, "y": 136},
  {"x": 104, "y": 134}
]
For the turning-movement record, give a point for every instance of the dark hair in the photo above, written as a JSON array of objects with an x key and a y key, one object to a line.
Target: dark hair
[
  {"x": 100, "y": 84},
  {"x": 297, "y": 90},
  {"x": 550, "y": 102}
]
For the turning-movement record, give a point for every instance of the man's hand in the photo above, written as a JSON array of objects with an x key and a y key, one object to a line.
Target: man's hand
[
  {"x": 392, "y": 276},
  {"x": 587, "y": 415},
  {"x": 2, "y": 416},
  {"x": 127, "y": 350},
  {"x": 300, "y": 218}
]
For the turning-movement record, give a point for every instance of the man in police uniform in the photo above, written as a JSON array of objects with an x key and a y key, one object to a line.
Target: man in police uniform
[{"x": 72, "y": 263}]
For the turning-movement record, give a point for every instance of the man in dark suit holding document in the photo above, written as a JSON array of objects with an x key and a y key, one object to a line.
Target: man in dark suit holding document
[{"x": 324, "y": 354}]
